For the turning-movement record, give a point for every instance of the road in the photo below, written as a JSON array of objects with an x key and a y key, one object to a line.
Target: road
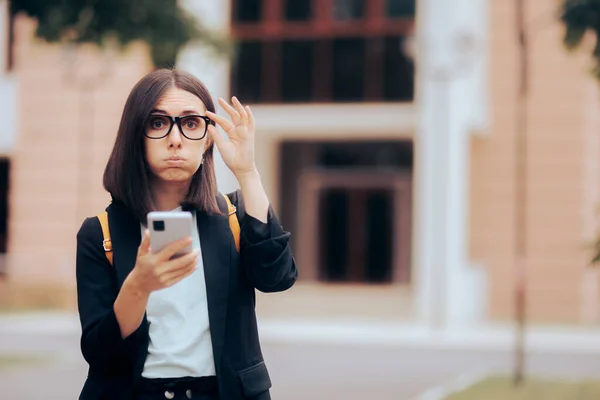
[{"x": 298, "y": 371}]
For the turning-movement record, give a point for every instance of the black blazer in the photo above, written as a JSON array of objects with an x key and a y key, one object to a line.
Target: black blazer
[{"x": 265, "y": 262}]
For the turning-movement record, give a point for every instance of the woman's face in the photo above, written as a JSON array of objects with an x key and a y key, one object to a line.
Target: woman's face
[{"x": 175, "y": 158}]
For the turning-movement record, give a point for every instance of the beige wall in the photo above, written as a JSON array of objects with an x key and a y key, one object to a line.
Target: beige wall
[
  {"x": 563, "y": 163},
  {"x": 43, "y": 194},
  {"x": 562, "y": 126}
]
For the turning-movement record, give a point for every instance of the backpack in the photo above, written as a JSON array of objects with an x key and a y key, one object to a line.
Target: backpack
[{"x": 107, "y": 243}]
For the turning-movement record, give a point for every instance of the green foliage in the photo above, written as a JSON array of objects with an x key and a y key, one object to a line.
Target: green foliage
[
  {"x": 163, "y": 24},
  {"x": 579, "y": 18},
  {"x": 502, "y": 388}
]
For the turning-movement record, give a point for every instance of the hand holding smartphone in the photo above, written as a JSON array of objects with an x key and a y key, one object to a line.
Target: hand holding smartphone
[{"x": 166, "y": 254}]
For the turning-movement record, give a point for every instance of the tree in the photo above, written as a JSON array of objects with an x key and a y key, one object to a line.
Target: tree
[
  {"x": 581, "y": 17},
  {"x": 163, "y": 24}
]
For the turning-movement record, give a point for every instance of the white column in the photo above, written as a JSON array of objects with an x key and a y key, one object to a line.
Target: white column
[
  {"x": 448, "y": 289},
  {"x": 210, "y": 68}
]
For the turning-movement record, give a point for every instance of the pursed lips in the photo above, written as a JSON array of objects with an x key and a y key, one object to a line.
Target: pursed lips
[{"x": 175, "y": 160}]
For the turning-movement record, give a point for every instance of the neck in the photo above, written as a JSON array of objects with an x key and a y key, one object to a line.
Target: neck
[{"x": 168, "y": 195}]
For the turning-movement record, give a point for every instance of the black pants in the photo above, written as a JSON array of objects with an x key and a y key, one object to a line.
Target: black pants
[{"x": 187, "y": 388}]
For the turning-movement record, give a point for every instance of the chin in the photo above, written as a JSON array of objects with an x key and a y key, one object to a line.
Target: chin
[{"x": 176, "y": 176}]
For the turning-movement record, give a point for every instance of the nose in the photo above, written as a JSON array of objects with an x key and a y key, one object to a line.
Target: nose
[{"x": 175, "y": 137}]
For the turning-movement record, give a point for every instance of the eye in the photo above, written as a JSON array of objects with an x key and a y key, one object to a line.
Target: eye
[
  {"x": 157, "y": 123},
  {"x": 191, "y": 123}
]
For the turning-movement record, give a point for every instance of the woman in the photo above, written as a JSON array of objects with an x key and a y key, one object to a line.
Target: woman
[{"x": 156, "y": 327}]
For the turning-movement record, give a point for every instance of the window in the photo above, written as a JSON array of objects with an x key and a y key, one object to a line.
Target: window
[
  {"x": 297, "y": 70},
  {"x": 348, "y": 69},
  {"x": 344, "y": 10},
  {"x": 322, "y": 51},
  {"x": 298, "y": 10},
  {"x": 248, "y": 71},
  {"x": 400, "y": 8},
  {"x": 248, "y": 11},
  {"x": 398, "y": 71},
  {"x": 4, "y": 188}
]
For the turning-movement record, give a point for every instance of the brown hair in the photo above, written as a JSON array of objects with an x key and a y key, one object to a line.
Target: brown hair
[{"x": 127, "y": 174}]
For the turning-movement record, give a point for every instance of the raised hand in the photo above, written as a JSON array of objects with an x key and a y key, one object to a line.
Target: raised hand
[{"x": 238, "y": 151}]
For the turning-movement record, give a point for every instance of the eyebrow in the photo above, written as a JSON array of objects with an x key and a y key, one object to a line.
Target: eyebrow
[{"x": 186, "y": 112}]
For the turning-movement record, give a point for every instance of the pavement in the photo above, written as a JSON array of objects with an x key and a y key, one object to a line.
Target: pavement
[
  {"x": 350, "y": 331},
  {"x": 333, "y": 358}
]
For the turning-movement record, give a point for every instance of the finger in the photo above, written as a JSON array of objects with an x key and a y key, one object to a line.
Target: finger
[
  {"x": 171, "y": 279},
  {"x": 222, "y": 122},
  {"x": 251, "y": 125},
  {"x": 178, "y": 263},
  {"x": 216, "y": 136},
  {"x": 240, "y": 109},
  {"x": 171, "y": 249},
  {"x": 235, "y": 116},
  {"x": 173, "y": 270},
  {"x": 145, "y": 245}
]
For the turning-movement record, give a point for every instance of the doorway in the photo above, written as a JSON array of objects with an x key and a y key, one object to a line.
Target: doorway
[
  {"x": 354, "y": 226},
  {"x": 356, "y": 231}
]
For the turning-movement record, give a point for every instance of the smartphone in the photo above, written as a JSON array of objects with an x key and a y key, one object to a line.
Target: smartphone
[{"x": 167, "y": 227}]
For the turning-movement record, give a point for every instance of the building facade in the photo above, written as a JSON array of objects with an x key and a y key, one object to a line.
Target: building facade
[{"x": 386, "y": 141}]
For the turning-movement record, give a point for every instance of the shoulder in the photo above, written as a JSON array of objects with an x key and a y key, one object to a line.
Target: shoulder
[
  {"x": 90, "y": 232},
  {"x": 238, "y": 201},
  {"x": 89, "y": 228},
  {"x": 89, "y": 243},
  {"x": 91, "y": 225},
  {"x": 234, "y": 196}
]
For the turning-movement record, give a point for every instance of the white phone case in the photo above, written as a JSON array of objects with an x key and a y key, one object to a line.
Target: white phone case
[{"x": 175, "y": 225}]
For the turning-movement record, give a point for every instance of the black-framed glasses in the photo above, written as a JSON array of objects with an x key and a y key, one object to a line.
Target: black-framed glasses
[{"x": 193, "y": 127}]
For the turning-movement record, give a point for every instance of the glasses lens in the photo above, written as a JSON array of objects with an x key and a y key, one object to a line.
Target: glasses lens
[
  {"x": 193, "y": 127},
  {"x": 158, "y": 126}
]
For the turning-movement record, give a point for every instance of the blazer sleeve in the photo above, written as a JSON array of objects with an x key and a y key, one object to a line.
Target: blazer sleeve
[
  {"x": 265, "y": 250},
  {"x": 101, "y": 343}
]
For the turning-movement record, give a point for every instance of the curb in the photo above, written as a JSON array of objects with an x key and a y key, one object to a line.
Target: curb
[
  {"x": 456, "y": 385},
  {"x": 36, "y": 323},
  {"x": 485, "y": 338},
  {"x": 356, "y": 332}
]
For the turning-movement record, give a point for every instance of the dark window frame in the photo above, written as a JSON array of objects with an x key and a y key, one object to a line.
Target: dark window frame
[{"x": 273, "y": 30}]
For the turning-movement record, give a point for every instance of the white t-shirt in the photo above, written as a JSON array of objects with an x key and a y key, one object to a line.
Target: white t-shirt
[{"x": 180, "y": 343}]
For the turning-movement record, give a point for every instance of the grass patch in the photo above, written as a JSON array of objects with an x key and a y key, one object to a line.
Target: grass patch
[
  {"x": 501, "y": 388},
  {"x": 16, "y": 297},
  {"x": 10, "y": 362}
]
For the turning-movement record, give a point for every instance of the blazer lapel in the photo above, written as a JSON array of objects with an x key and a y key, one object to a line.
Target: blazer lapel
[
  {"x": 216, "y": 250},
  {"x": 125, "y": 232}
]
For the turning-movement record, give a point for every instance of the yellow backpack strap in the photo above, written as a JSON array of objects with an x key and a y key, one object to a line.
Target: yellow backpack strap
[
  {"x": 234, "y": 224},
  {"x": 106, "y": 243}
]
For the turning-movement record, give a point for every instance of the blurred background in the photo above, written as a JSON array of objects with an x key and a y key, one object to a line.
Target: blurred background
[{"x": 440, "y": 179}]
